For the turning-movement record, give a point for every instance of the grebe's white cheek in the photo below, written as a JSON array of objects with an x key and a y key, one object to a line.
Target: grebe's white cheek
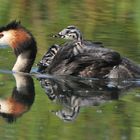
[{"x": 5, "y": 40}]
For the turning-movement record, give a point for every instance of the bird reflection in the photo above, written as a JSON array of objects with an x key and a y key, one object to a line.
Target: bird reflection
[
  {"x": 21, "y": 99},
  {"x": 73, "y": 93}
]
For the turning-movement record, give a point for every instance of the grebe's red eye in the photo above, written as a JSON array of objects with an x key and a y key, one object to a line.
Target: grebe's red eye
[{"x": 1, "y": 35}]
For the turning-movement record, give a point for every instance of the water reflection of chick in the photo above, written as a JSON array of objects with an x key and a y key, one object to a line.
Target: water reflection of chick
[
  {"x": 21, "y": 100},
  {"x": 74, "y": 93}
]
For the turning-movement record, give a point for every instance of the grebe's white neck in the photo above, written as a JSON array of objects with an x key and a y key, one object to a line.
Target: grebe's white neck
[{"x": 22, "y": 64}]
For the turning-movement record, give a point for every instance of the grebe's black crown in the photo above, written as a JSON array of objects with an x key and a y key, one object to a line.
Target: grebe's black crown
[{"x": 12, "y": 25}]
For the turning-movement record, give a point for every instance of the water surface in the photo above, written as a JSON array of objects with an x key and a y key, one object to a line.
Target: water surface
[{"x": 68, "y": 108}]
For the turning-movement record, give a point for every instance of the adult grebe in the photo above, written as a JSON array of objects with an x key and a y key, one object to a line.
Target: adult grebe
[
  {"x": 23, "y": 44},
  {"x": 78, "y": 54},
  {"x": 89, "y": 59},
  {"x": 21, "y": 99}
]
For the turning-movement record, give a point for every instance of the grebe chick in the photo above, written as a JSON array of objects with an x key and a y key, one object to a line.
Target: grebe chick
[
  {"x": 23, "y": 44},
  {"x": 74, "y": 34},
  {"x": 70, "y": 33},
  {"x": 47, "y": 58}
]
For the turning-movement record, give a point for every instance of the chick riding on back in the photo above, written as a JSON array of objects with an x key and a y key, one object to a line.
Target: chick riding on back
[{"x": 75, "y": 36}]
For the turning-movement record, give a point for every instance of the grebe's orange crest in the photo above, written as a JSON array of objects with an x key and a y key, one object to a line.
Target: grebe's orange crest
[{"x": 11, "y": 106}]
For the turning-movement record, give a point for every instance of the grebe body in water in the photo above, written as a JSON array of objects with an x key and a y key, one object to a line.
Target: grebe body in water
[
  {"x": 88, "y": 59},
  {"x": 23, "y": 44}
]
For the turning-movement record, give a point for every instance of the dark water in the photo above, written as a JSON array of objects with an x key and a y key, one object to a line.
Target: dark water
[{"x": 66, "y": 107}]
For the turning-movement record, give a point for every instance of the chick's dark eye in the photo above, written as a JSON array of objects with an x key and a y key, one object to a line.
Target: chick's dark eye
[
  {"x": 1, "y": 35},
  {"x": 67, "y": 31}
]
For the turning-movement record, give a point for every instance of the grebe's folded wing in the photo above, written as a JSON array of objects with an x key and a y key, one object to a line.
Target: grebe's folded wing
[
  {"x": 94, "y": 59},
  {"x": 108, "y": 59}
]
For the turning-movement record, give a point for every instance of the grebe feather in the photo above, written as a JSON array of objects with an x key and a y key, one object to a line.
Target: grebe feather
[{"x": 89, "y": 59}]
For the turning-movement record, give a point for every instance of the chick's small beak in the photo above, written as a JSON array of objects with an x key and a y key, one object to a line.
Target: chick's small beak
[{"x": 58, "y": 36}]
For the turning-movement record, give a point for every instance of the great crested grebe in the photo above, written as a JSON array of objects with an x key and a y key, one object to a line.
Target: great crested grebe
[
  {"x": 20, "y": 101},
  {"x": 89, "y": 59},
  {"x": 23, "y": 44},
  {"x": 76, "y": 55}
]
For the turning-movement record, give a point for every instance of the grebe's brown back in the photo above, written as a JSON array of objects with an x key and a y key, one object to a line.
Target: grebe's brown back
[{"x": 88, "y": 59}]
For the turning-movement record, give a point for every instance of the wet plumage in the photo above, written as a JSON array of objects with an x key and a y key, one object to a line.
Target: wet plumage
[
  {"x": 74, "y": 47},
  {"x": 84, "y": 58}
]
